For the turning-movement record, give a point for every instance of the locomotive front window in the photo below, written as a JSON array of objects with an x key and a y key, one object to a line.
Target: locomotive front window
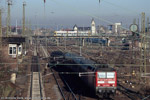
[
  {"x": 101, "y": 75},
  {"x": 110, "y": 74}
]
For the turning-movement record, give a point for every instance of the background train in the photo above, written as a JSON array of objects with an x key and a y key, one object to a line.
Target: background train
[
  {"x": 98, "y": 40},
  {"x": 99, "y": 78}
]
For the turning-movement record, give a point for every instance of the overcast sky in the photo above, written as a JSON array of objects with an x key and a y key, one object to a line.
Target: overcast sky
[{"x": 66, "y": 13}]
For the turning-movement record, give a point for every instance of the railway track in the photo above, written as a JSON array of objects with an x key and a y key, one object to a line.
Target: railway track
[
  {"x": 69, "y": 87},
  {"x": 132, "y": 95},
  {"x": 58, "y": 78},
  {"x": 127, "y": 93},
  {"x": 78, "y": 88},
  {"x": 64, "y": 88},
  {"x": 36, "y": 87}
]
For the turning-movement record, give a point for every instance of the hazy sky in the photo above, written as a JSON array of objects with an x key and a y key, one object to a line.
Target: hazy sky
[{"x": 66, "y": 13}]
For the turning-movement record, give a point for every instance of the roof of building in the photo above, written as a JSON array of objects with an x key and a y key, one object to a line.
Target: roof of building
[
  {"x": 13, "y": 40},
  {"x": 84, "y": 28},
  {"x": 74, "y": 26},
  {"x": 92, "y": 20}
]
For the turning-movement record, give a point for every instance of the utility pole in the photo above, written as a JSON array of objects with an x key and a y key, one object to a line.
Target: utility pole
[
  {"x": 23, "y": 26},
  {"x": 0, "y": 30},
  {"x": 133, "y": 43},
  {"x": 147, "y": 42},
  {"x": 147, "y": 25},
  {"x": 23, "y": 20},
  {"x": 80, "y": 50},
  {"x": 147, "y": 32},
  {"x": 65, "y": 41},
  {"x": 8, "y": 19},
  {"x": 134, "y": 21},
  {"x": 138, "y": 23},
  {"x": 143, "y": 46}
]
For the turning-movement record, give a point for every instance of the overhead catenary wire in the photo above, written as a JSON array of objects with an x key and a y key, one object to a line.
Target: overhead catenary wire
[
  {"x": 95, "y": 17},
  {"x": 16, "y": 78},
  {"x": 98, "y": 18},
  {"x": 118, "y": 6},
  {"x": 79, "y": 64},
  {"x": 146, "y": 98},
  {"x": 81, "y": 74},
  {"x": 80, "y": 11}
]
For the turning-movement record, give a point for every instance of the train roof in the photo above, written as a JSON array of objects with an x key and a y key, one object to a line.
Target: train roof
[
  {"x": 106, "y": 68},
  {"x": 79, "y": 59},
  {"x": 57, "y": 53},
  {"x": 88, "y": 63}
]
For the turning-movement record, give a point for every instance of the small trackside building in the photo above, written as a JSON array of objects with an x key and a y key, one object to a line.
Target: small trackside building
[{"x": 14, "y": 45}]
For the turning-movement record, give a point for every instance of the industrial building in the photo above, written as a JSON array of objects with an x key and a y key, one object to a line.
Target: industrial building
[
  {"x": 115, "y": 28},
  {"x": 13, "y": 45}
]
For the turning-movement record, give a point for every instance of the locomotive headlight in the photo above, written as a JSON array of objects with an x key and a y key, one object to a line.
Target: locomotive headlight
[
  {"x": 111, "y": 81},
  {"x": 100, "y": 90},
  {"x": 101, "y": 82},
  {"x": 113, "y": 91}
]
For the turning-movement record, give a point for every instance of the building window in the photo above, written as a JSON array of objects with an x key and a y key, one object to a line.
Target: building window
[
  {"x": 14, "y": 50},
  {"x": 19, "y": 49},
  {"x": 10, "y": 50}
]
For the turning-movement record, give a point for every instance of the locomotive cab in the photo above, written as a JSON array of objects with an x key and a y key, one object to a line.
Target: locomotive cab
[{"x": 106, "y": 81}]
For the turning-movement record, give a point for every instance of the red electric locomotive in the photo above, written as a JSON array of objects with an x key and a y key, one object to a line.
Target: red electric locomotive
[{"x": 106, "y": 81}]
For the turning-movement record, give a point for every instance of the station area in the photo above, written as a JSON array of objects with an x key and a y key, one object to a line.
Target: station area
[{"x": 92, "y": 61}]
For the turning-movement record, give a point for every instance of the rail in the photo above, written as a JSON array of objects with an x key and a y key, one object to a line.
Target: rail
[
  {"x": 61, "y": 91},
  {"x": 58, "y": 85},
  {"x": 39, "y": 80},
  {"x": 35, "y": 86},
  {"x": 69, "y": 89},
  {"x": 133, "y": 95},
  {"x": 31, "y": 85}
]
